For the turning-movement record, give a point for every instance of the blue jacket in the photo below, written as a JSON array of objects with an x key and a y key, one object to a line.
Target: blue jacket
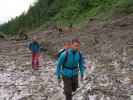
[
  {"x": 66, "y": 66},
  {"x": 34, "y": 47}
]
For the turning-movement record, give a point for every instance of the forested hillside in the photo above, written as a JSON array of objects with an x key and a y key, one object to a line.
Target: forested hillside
[{"x": 66, "y": 12}]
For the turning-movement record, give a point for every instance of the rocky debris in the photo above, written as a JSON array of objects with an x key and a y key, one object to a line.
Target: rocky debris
[
  {"x": 19, "y": 82},
  {"x": 103, "y": 81}
]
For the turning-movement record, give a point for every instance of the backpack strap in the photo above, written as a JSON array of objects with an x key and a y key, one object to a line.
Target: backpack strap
[
  {"x": 66, "y": 57},
  {"x": 80, "y": 55}
]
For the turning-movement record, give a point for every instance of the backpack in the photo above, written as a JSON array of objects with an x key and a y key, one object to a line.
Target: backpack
[{"x": 60, "y": 52}]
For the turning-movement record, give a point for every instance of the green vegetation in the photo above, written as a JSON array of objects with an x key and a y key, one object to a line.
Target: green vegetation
[{"x": 66, "y": 12}]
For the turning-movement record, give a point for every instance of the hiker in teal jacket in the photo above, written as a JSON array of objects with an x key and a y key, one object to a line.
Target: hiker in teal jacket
[
  {"x": 74, "y": 60},
  {"x": 69, "y": 64}
]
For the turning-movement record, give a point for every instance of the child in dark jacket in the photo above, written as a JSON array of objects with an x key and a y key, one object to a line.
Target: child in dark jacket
[{"x": 34, "y": 46}]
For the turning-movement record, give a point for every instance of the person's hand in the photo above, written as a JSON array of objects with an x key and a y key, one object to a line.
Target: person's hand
[
  {"x": 89, "y": 66},
  {"x": 59, "y": 81}
]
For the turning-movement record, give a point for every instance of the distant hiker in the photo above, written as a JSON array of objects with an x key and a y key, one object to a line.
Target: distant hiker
[
  {"x": 71, "y": 26},
  {"x": 69, "y": 64},
  {"x": 60, "y": 30},
  {"x": 35, "y": 48}
]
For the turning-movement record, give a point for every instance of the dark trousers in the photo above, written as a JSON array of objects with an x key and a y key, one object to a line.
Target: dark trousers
[{"x": 70, "y": 85}]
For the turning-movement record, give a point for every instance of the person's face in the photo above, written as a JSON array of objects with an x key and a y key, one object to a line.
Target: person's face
[
  {"x": 67, "y": 45},
  {"x": 34, "y": 38},
  {"x": 75, "y": 46}
]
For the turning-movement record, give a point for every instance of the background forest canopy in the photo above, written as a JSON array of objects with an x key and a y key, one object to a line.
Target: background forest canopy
[{"x": 60, "y": 11}]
